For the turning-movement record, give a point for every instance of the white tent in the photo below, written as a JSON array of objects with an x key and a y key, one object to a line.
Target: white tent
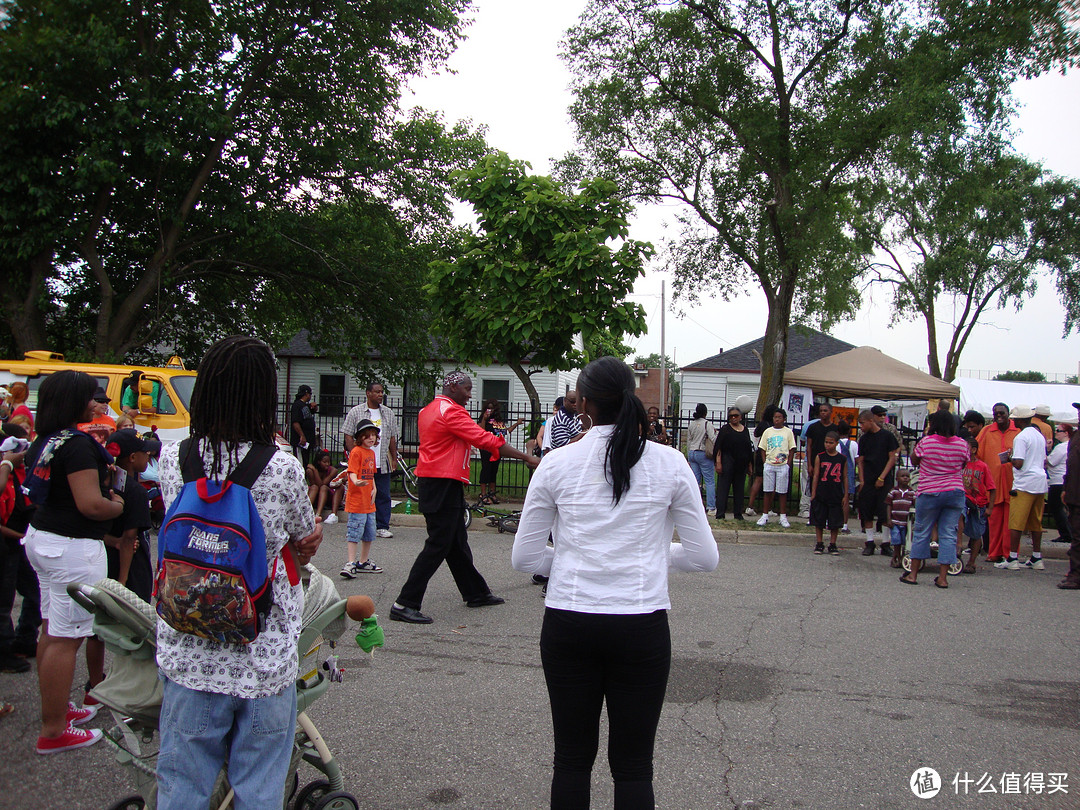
[{"x": 980, "y": 395}]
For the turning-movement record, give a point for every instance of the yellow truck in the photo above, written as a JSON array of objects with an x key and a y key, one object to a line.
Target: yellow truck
[{"x": 163, "y": 399}]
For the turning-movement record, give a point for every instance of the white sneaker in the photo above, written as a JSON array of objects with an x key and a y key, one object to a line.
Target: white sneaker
[
  {"x": 772, "y": 514},
  {"x": 1015, "y": 565},
  {"x": 763, "y": 520},
  {"x": 1034, "y": 563},
  {"x": 804, "y": 514},
  {"x": 348, "y": 571},
  {"x": 749, "y": 512},
  {"x": 330, "y": 519},
  {"x": 1003, "y": 565},
  {"x": 784, "y": 522},
  {"x": 383, "y": 533}
]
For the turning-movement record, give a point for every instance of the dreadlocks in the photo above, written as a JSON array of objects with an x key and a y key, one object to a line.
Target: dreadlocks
[{"x": 235, "y": 398}]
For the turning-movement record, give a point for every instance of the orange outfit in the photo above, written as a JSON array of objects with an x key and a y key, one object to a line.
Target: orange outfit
[
  {"x": 991, "y": 442},
  {"x": 361, "y": 500}
]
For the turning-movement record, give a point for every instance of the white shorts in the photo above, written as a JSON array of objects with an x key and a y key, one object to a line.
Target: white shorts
[
  {"x": 776, "y": 478},
  {"x": 58, "y": 562}
]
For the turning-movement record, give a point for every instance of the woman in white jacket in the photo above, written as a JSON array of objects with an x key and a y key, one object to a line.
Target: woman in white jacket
[{"x": 610, "y": 502}]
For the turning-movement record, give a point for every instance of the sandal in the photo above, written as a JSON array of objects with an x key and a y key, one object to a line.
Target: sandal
[
  {"x": 493, "y": 500},
  {"x": 939, "y": 585},
  {"x": 906, "y": 581},
  {"x": 894, "y": 562}
]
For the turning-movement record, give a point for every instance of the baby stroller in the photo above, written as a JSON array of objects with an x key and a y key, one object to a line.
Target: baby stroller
[
  {"x": 132, "y": 691},
  {"x": 954, "y": 569}
]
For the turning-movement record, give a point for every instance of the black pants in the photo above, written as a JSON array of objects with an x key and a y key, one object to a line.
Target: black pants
[
  {"x": 447, "y": 540},
  {"x": 592, "y": 658},
  {"x": 732, "y": 477},
  {"x": 1057, "y": 510},
  {"x": 18, "y": 576},
  {"x": 1074, "y": 547}
]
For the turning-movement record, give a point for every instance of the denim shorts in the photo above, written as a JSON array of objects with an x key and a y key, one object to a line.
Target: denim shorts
[
  {"x": 361, "y": 528},
  {"x": 974, "y": 521}
]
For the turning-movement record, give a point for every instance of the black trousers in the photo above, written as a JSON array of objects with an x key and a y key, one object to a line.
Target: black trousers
[
  {"x": 18, "y": 576},
  {"x": 1057, "y": 510},
  {"x": 1074, "y": 547},
  {"x": 447, "y": 540},
  {"x": 591, "y": 658},
  {"x": 733, "y": 477}
]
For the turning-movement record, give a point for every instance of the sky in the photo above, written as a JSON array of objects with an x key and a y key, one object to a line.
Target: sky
[{"x": 507, "y": 75}]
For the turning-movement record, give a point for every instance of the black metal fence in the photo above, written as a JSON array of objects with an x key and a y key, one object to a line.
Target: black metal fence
[{"x": 513, "y": 475}]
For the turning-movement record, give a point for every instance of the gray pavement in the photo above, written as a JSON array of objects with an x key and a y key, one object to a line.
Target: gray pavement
[{"x": 798, "y": 681}]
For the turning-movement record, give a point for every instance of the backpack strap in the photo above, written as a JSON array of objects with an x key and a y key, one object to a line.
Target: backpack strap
[{"x": 245, "y": 473}]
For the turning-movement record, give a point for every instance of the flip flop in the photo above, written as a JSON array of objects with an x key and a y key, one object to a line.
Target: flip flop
[
  {"x": 939, "y": 585},
  {"x": 906, "y": 581}
]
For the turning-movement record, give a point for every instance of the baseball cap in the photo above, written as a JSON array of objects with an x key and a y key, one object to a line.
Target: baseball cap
[
  {"x": 303, "y": 389},
  {"x": 1042, "y": 410},
  {"x": 125, "y": 442},
  {"x": 1022, "y": 412},
  {"x": 100, "y": 395},
  {"x": 879, "y": 410}
]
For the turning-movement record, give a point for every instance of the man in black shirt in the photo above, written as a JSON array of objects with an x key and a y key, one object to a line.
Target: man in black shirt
[
  {"x": 302, "y": 420},
  {"x": 878, "y": 450},
  {"x": 128, "y": 540}
]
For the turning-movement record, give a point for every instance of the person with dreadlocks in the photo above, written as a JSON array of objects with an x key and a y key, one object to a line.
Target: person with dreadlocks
[
  {"x": 236, "y": 703},
  {"x": 446, "y": 435},
  {"x": 610, "y": 501}
]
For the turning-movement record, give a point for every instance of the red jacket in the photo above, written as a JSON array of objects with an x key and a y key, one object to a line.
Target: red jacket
[{"x": 447, "y": 434}]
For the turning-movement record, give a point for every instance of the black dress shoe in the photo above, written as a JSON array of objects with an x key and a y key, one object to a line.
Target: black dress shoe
[
  {"x": 484, "y": 601},
  {"x": 539, "y": 579},
  {"x": 408, "y": 614}
]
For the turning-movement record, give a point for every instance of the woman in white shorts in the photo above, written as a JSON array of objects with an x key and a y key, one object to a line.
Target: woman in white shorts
[{"x": 65, "y": 544}]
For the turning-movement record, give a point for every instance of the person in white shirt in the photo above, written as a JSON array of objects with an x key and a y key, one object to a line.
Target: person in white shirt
[
  {"x": 1028, "y": 457},
  {"x": 610, "y": 502}
]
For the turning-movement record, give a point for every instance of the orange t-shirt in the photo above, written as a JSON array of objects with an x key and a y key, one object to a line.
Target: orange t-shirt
[{"x": 361, "y": 464}]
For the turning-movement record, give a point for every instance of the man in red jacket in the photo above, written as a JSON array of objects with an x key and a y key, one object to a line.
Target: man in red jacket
[{"x": 447, "y": 434}]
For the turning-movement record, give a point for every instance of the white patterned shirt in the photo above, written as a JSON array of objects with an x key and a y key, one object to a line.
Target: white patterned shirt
[{"x": 269, "y": 663}]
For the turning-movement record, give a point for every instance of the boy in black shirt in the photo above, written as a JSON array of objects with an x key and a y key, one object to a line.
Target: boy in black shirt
[
  {"x": 828, "y": 493},
  {"x": 128, "y": 541}
]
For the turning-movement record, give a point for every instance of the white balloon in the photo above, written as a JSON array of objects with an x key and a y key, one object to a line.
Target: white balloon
[{"x": 745, "y": 403}]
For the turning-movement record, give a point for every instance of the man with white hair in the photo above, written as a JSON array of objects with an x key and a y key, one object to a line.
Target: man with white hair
[{"x": 1028, "y": 457}]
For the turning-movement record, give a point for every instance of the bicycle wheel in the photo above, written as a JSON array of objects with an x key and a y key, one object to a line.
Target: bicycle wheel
[
  {"x": 468, "y": 517},
  {"x": 408, "y": 480}
]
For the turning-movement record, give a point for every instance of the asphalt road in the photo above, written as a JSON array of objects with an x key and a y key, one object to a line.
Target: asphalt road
[{"x": 798, "y": 681}]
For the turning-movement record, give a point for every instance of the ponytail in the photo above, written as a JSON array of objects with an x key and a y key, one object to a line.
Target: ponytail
[{"x": 609, "y": 384}]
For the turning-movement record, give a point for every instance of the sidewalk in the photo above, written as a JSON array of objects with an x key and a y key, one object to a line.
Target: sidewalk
[{"x": 799, "y": 535}]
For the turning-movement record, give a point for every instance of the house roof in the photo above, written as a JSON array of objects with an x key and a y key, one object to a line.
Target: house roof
[
  {"x": 299, "y": 346},
  {"x": 805, "y": 345}
]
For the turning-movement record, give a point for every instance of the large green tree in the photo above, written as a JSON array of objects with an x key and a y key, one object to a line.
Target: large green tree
[
  {"x": 173, "y": 167},
  {"x": 549, "y": 265},
  {"x": 967, "y": 228},
  {"x": 761, "y": 117}
]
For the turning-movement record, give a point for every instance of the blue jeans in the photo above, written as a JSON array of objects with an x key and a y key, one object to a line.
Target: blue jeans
[
  {"x": 942, "y": 509},
  {"x": 897, "y": 534},
  {"x": 704, "y": 470},
  {"x": 382, "y": 500},
  {"x": 200, "y": 731},
  {"x": 361, "y": 527}
]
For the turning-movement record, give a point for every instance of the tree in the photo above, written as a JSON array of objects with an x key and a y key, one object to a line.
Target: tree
[
  {"x": 240, "y": 165},
  {"x": 541, "y": 271},
  {"x": 976, "y": 225},
  {"x": 1021, "y": 376},
  {"x": 654, "y": 360},
  {"x": 761, "y": 117}
]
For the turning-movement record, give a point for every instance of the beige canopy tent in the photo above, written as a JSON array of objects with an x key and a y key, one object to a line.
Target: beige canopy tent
[{"x": 867, "y": 372}]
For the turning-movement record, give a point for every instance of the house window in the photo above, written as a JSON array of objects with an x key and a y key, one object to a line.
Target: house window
[
  {"x": 496, "y": 389},
  {"x": 332, "y": 394}
]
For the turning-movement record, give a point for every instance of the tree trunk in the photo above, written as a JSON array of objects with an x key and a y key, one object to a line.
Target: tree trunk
[
  {"x": 774, "y": 352},
  {"x": 534, "y": 398},
  {"x": 24, "y": 316}
]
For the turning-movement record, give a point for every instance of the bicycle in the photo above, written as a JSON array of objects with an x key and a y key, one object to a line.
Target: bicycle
[
  {"x": 503, "y": 521},
  {"x": 408, "y": 479}
]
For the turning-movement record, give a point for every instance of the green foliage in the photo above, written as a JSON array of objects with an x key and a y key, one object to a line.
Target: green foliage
[
  {"x": 547, "y": 265},
  {"x": 970, "y": 221},
  {"x": 173, "y": 171},
  {"x": 653, "y": 361},
  {"x": 1021, "y": 376},
  {"x": 763, "y": 120}
]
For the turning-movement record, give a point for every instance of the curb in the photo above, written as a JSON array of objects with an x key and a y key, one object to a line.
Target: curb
[{"x": 739, "y": 537}]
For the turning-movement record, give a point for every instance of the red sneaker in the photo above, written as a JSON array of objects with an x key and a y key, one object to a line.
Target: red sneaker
[
  {"x": 89, "y": 700},
  {"x": 71, "y": 739},
  {"x": 77, "y": 716}
]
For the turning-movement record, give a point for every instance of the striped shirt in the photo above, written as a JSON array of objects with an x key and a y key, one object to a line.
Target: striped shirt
[
  {"x": 899, "y": 502},
  {"x": 941, "y": 463}
]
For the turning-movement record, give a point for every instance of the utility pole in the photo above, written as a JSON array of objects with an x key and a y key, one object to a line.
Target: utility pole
[{"x": 663, "y": 357}]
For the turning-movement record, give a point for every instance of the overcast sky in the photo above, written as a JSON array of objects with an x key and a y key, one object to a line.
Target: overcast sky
[{"x": 508, "y": 76}]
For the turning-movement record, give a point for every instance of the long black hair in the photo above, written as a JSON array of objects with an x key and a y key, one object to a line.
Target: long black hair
[
  {"x": 235, "y": 397},
  {"x": 609, "y": 385},
  {"x": 942, "y": 424},
  {"x": 62, "y": 400},
  {"x": 700, "y": 411}
]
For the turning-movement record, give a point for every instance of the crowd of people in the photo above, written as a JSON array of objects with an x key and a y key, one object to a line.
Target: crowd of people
[{"x": 596, "y": 528}]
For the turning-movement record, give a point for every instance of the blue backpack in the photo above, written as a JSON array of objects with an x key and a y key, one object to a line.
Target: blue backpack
[{"x": 212, "y": 577}]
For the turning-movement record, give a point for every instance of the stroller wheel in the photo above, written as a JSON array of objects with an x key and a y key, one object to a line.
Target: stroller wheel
[
  {"x": 130, "y": 803},
  {"x": 905, "y": 561},
  {"x": 956, "y": 568},
  {"x": 338, "y": 800},
  {"x": 310, "y": 795}
]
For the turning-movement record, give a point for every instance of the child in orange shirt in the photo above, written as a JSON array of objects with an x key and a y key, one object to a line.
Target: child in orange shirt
[{"x": 360, "y": 502}]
